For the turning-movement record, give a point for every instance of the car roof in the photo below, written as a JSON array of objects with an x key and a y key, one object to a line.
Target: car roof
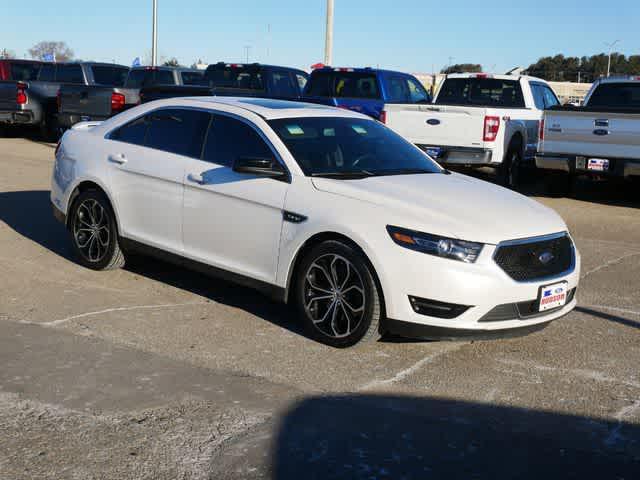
[
  {"x": 212, "y": 66},
  {"x": 359, "y": 70},
  {"x": 269, "y": 109},
  {"x": 496, "y": 76}
]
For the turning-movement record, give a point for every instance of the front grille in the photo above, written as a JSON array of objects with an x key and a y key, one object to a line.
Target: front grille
[
  {"x": 523, "y": 260},
  {"x": 521, "y": 310}
]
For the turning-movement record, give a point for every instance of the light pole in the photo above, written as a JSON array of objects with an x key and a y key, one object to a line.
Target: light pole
[
  {"x": 154, "y": 34},
  {"x": 328, "y": 42},
  {"x": 610, "y": 45}
]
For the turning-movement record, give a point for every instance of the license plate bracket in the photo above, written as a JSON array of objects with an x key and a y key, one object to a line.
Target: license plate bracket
[{"x": 552, "y": 296}]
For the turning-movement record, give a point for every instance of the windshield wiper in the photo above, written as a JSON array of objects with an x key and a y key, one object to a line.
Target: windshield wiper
[
  {"x": 404, "y": 171},
  {"x": 347, "y": 174}
]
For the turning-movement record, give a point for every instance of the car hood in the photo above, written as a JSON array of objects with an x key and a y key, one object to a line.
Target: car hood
[{"x": 453, "y": 205}]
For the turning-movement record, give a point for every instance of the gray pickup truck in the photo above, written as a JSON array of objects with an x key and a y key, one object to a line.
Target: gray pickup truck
[
  {"x": 32, "y": 101},
  {"x": 107, "y": 93},
  {"x": 601, "y": 138}
]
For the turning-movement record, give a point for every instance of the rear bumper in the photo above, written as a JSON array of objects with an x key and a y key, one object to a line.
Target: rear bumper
[
  {"x": 619, "y": 167},
  {"x": 68, "y": 120},
  {"x": 19, "y": 117},
  {"x": 469, "y": 156}
]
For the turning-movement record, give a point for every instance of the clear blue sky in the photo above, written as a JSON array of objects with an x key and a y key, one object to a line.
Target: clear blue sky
[{"x": 409, "y": 35}]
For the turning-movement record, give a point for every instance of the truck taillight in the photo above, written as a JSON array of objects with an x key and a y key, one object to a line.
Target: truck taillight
[
  {"x": 383, "y": 116},
  {"x": 541, "y": 131},
  {"x": 117, "y": 102},
  {"x": 491, "y": 127},
  {"x": 21, "y": 95}
]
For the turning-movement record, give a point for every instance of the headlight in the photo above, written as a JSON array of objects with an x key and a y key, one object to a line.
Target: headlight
[{"x": 434, "y": 245}]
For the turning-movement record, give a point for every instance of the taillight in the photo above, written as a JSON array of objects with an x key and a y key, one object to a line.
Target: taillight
[
  {"x": 541, "y": 131},
  {"x": 491, "y": 127},
  {"x": 117, "y": 102},
  {"x": 21, "y": 96},
  {"x": 383, "y": 116}
]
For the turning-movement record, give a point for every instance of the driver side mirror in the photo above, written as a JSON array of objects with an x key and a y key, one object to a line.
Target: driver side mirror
[{"x": 262, "y": 166}]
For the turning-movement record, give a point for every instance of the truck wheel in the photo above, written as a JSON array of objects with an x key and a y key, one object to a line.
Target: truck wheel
[
  {"x": 509, "y": 173},
  {"x": 48, "y": 130}
]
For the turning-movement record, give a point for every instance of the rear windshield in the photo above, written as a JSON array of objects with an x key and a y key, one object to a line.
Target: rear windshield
[
  {"x": 343, "y": 84},
  {"x": 244, "y": 77},
  {"x": 485, "y": 92},
  {"x": 193, "y": 78},
  {"x": 23, "y": 72},
  {"x": 108, "y": 75},
  {"x": 148, "y": 77},
  {"x": 69, "y": 74},
  {"x": 616, "y": 95}
]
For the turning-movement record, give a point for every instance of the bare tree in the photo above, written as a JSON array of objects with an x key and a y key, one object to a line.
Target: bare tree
[{"x": 60, "y": 51}]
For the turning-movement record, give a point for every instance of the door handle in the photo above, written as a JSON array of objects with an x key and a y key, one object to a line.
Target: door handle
[
  {"x": 196, "y": 178},
  {"x": 118, "y": 158}
]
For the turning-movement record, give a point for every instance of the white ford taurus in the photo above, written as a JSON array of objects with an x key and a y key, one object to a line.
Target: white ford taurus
[{"x": 320, "y": 207}]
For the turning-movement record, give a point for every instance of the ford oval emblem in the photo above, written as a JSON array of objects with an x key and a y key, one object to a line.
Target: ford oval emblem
[
  {"x": 546, "y": 257},
  {"x": 433, "y": 121}
]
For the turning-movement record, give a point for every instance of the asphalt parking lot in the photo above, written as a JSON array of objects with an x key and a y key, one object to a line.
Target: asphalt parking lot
[{"x": 157, "y": 372}]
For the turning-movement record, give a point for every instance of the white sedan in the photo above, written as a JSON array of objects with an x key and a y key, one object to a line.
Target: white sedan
[{"x": 323, "y": 208}]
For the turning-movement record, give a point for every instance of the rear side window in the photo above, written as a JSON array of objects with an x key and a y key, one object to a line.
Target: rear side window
[
  {"x": 487, "y": 92},
  {"x": 133, "y": 132},
  {"x": 111, "y": 76},
  {"x": 23, "y": 72},
  {"x": 177, "y": 131},
  {"x": 538, "y": 97},
  {"x": 281, "y": 84},
  {"x": 193, "y": 78},
  {"x": 343, "y": 84},
  {"x": 47, "y": 73},
  {"x": 616, "y": 95},
  {"x": 69, "y": 74},
  {"x": 229, "y": 139}
]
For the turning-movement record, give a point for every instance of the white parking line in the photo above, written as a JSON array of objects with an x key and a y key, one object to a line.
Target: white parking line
[
  {"x": 401, "y": 375},
  {"x": 109, "y": 310},
  {"x": 608, "y": 264},
  {"x": 615, "y": 309}
]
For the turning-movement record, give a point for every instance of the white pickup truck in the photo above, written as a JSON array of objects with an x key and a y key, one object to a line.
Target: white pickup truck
[
  {"x": 602, "y": 138},
  {"x": 478, "y": 120}
]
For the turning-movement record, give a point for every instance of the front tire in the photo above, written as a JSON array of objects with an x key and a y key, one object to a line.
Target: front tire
[
  {"x": 336, "y": 295},
  {"x": 94, "y": 233}
]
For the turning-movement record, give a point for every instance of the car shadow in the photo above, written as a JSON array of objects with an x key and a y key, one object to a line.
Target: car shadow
[
  {"x": 365, "y": 436},
  {"x": 608, "y": 316}
]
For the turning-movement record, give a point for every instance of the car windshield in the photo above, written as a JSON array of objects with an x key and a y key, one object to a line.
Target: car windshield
[
  {"x": 109, "y": 75},
  {"x": 24, "y": 71},
  {"x": 343, "y": 147}
]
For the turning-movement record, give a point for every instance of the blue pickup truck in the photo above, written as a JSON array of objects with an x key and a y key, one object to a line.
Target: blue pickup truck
[{"x": 364, "y": 90}]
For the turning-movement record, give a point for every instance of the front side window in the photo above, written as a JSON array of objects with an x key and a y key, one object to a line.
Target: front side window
[
  {"x": 229, "y": 138},
  {"x": 398, "y": 90},
  {"x": 417, "y": 93},
  {"x": 178, "y": 131},
  {"x": 550, "y": 99},
  {"x": 343, "y": 146}
]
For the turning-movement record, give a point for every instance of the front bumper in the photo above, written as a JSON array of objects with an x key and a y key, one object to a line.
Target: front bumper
[
  {"x": 464, "y": 156},
  {"x": 482, "y": 286},
  {"x": 575, "y": 164}
]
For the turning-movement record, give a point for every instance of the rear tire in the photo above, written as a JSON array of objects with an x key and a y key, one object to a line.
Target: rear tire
[
  {"x": 336, "y": 295},
  {"x": 94, "y": 233},
  {"x": 510, "y": 172}
]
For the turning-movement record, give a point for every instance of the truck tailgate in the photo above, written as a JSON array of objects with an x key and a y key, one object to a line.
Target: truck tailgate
[
  {"x": 85, "y": 100},
  {"x": 592, "y": 134},
  {"x": 437, "y": 125},
  {"x": 8, "y": 91}
]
